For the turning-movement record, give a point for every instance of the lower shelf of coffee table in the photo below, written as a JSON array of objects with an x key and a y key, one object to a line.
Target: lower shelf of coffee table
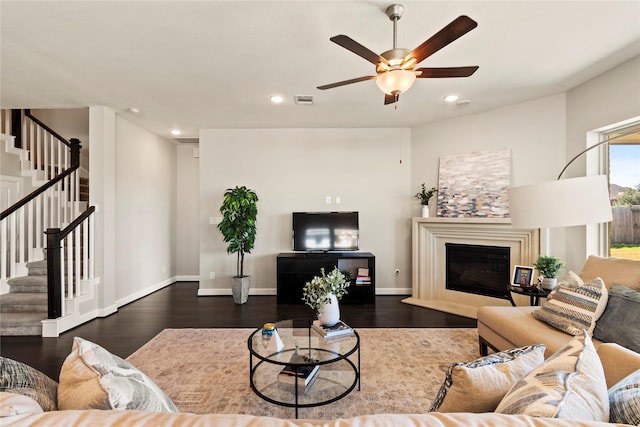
[{"x": 333, "y": 381}]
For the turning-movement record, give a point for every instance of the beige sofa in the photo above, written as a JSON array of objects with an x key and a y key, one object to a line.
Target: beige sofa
[
  {"x": 20, "y": 411},
  {"x": 501, "y": 328}
]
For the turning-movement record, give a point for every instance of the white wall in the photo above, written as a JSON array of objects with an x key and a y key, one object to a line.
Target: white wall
[
  {"x": 534, "y": 131},
  {"x": 188, "y": 213},
  {"x": 610, "y": 98},
  {"x": 294, "y": 170},
  {"x": 145, "y": 201}
]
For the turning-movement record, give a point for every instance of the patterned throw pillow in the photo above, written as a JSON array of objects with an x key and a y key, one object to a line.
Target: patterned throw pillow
[
  {"x": 16, "y": 377},
  {"x": 93, "y": 378},
  {"x": 624, "y": 400},
  {"x": 570, "y": 384},
  {"x": 573, "y": 309},
  {"x": 480, "y": 385},
  {"x": 619, "y": 321}
]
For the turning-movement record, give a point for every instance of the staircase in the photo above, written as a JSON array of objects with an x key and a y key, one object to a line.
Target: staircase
[
  {"x": 53, "y": 219},
  {"x": 25, "y": 306}
]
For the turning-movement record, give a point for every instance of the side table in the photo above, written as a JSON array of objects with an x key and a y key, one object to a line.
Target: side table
[{"x": 534, "y": 293}]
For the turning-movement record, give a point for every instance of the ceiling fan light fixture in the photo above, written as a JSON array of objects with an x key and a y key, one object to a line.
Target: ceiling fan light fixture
[{"x": 395, "y": 81}]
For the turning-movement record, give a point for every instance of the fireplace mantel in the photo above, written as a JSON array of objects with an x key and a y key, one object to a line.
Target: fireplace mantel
[{"x": 429, "y": 236}]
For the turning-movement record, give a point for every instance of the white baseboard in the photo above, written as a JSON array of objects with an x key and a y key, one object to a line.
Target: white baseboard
[
  {"x": 272, "y": 291},
  {"x": 188, "y": 278},
  {"x": 227, "y": 291},
  {"x": 144, "y": 292}
]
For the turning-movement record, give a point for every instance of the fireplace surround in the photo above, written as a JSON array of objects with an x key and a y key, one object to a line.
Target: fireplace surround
[{"x": 429, "y": 239}]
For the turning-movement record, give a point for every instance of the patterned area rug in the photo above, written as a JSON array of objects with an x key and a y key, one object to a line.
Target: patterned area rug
[{"x": 207, "y": 371}]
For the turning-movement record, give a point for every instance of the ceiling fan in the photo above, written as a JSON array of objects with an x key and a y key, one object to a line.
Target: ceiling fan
[{"x": 395, "y": 68}]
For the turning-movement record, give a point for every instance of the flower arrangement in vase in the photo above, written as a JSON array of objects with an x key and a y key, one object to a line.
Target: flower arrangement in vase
[
  {"x": 322, "y": 294},
  {"x": 424, "y": 196}
]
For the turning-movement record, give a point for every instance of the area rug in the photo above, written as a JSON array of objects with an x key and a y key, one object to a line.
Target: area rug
[{"x": 207, "y": 371}]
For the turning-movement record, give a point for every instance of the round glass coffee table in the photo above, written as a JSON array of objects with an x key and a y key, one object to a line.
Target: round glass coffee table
[{"x": 337, "y": 373}]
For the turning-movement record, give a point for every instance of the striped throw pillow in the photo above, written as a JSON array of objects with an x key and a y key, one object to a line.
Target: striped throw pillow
[
  {"x": 572, "y": 310},
  {"x": 570, "y": 384},
  {"x": 624, "y": 400}
]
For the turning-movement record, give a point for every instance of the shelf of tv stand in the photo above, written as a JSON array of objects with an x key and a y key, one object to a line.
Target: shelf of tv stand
[{"x": 294, "y": 269}]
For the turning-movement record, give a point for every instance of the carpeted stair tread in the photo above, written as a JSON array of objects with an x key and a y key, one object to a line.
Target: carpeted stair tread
[
  {"x": 37, "y": 268},
  {"x": 28, "y": 284},
  {"x": 23, "y": 302},
  {"x": 21, "y": 323}
]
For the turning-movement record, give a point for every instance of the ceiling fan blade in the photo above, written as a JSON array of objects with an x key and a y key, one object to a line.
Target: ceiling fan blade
[
  {"x": 445, "y": 72},
  {"x": 456, "y": 29},
  {"x": 346, "y": 82},
  {"x": 355, "y": 47},
  {"x": 391, "y": 98}
]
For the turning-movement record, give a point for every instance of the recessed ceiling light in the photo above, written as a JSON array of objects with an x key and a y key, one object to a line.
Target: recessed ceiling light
[
  {"x": 276, "y": 99},
  {"x": 133, "y": 110},
  {"x": 450, "y": 98},
  {"x": 176, "y": 132}
]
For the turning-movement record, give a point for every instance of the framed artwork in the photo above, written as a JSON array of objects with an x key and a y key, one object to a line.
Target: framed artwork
[
  {"x": 522, "y": 276},
  {"x": 474, "y": 185}
]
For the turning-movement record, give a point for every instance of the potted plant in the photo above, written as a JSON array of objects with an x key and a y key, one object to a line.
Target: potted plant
[
  {"x": 238, "y": 227},
  {"x": 322, "y": 294},
  {"x": 424, "y": 196},
  {"x": 548, "y": 267}
]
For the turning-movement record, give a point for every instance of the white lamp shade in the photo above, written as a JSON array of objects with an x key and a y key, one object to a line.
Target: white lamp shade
[
  {"x": 395, "y": 81},
  {"x": 562, "y": 203}
]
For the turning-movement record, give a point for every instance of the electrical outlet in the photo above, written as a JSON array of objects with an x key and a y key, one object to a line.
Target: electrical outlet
[
  {"x": 337, "y": 200},
  {"x": 212, "y": 275},
  {"x": 327, "y": 200},
  {"x": 397, "y": 271}
]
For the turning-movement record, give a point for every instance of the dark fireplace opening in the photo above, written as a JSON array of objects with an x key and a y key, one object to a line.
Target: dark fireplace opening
[{"x": 478, "y": 269}]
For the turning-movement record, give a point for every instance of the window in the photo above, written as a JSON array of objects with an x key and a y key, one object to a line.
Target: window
[{"x": 624, "y": 180}]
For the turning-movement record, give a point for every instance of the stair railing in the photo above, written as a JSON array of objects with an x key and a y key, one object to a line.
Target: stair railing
[
  {"x": 54, "y": 204},
  {"x": 69, "y": 260}
]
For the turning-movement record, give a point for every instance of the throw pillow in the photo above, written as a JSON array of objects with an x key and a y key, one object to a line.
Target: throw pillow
[
  {"x": 624, "y": 400},
  {"x": 570, "y": 384},
  {"x": 16, "y": 377},
  {"x": 573, "y": 309},
  {"x": 479, "y": 386},
  {"x": 12, "y": 404},
  {"x": 93, "y": 378},
  {"x": 619, "y": 322}
]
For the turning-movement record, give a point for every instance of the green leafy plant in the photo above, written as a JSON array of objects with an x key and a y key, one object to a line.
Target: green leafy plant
[
  {"x": 548, "y": 266},
  {"x": 425, "y": 195},
  {"x": 315, "y": 292},
  {"x": 238, "y": 226}
]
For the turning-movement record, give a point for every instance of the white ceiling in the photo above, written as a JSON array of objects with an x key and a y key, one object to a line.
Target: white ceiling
[{"x": 213, "y": 64}]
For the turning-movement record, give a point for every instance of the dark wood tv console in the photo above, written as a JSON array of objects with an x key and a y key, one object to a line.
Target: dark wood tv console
[{"x": 294, "y": 269}]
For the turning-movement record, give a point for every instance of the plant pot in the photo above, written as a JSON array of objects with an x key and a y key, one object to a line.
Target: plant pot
[
  {"x": 329, "y": 314},
  {"x": 549, "y": 282},
  {"x": 425, "y": 211},
  {"x": 240, "y": 289}
]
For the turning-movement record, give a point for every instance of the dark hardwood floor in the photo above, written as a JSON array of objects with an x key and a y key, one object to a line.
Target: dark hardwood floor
[{"x": 178, "y": 306}]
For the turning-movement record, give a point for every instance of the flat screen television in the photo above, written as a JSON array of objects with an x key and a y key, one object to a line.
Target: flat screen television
[{"x": 325, "y": 231}]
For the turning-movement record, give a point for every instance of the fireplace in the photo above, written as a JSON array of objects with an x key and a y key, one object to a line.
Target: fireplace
[
  {"x": 477, "y": 269},
  {"x": 429, "y": 239}
]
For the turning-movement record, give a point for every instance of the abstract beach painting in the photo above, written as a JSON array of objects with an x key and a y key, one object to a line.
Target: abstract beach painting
[{"x": 474, "y": 185}]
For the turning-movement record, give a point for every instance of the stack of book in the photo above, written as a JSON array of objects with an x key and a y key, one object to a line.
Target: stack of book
[
  {"x": 304, "y": 374},
  {"x": 340, "y": 329},
  {"x": 363, "y": 278}
]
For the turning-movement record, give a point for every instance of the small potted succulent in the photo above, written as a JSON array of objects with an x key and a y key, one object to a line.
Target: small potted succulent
[
  {"x": 549, "y": 267},
  {"x": 424, "y": 195},
  {"x": 322, "y": 294}
]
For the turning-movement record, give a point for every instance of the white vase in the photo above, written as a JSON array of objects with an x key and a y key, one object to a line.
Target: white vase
[
  {"x": 425, "y": 211},
  {"x": 549, "y": 282},
  {"x": 329, "y": 314}
]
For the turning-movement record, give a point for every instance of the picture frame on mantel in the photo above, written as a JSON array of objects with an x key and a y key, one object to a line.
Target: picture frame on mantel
[{"x": 474, "y": 185}]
